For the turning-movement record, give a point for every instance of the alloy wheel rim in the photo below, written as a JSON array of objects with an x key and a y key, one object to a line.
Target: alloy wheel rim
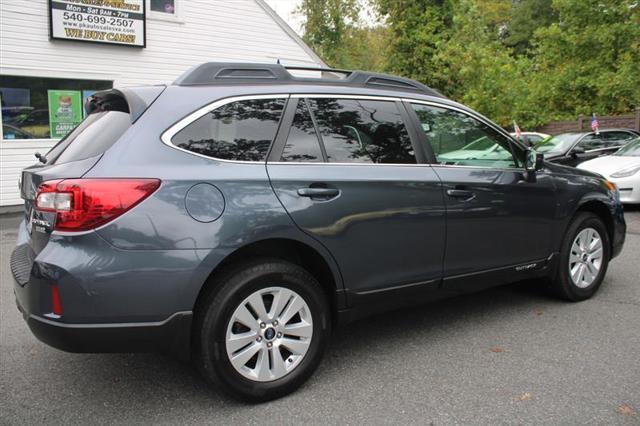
[
  {"x": 269, "y": 334},
  {"x": 585, "y": 258}
]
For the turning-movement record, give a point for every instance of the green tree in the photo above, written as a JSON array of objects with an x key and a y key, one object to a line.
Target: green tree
[
  {"x": 326, "y": 27},
  {"x": 559, "y": 58},
  {"x": 589, "y": 61},
  {"x": 416, "y": 29},
  {"x": 481, "y": 72},
  {"x": 526, "y": 17}
]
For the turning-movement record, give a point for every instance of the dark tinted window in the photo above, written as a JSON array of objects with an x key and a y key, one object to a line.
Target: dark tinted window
[
  {"x": 91, "y": 137},
  {"x": 362, "y": 131},
  {"x": 459, "y": 139},
  {"x": 302, "y": 142},
  {"x": 240, "y": 131},
  {"x": 618, "y": 138},
  {"x": 593, "y": 141}
]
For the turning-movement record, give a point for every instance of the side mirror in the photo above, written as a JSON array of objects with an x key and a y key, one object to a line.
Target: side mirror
[
  {"x": 577, "y": 151},
  {"x": 534, "y": 161}
]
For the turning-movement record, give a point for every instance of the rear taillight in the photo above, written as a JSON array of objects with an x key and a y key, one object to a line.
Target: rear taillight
[{"x": 84, "y": 204}]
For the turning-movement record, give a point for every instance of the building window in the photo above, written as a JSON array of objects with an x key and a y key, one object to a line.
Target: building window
[
  {"x": 165, "y": 10},
  {"x": 44, "y": 108},
  {"x": 163, "y": 6}
]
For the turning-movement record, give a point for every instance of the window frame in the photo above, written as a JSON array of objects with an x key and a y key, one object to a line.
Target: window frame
[
  {"x": 176, "y": 17},
  {"x": 423, "y": 152},
  {"x": 280, "y": 141},
  {"x": 282, "y": 136},
  {"x": 168, "y": 134},
  {"x": 514, "y": 144}
]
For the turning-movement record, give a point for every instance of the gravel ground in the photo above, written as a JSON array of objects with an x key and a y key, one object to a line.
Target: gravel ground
[{"x": 510, "y": 355}]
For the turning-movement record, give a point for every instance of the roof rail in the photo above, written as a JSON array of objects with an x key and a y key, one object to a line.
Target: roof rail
[{"x": 214, "y": 73}]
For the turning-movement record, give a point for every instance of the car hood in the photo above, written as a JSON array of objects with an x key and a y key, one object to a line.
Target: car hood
[{"x": 610, "y": 164}]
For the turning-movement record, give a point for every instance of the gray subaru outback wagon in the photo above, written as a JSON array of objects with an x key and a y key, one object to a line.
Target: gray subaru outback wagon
[{"x": 237, "y": 215}]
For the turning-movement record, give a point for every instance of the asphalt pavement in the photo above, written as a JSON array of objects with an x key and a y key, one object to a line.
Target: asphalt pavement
[{"x": 511, "y": 355}]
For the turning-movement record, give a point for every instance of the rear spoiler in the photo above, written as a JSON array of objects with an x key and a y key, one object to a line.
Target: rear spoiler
[{"x": 133, "y": 100}]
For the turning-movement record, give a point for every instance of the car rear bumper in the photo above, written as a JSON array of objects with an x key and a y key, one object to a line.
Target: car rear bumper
[
  {"x": 169, "y": 336},
  {"x": 112, "y": 300}
]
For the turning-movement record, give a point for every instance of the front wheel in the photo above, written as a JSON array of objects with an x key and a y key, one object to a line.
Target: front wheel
[
  {"x": 264, "y": 331},
  {"x": 584, "y": 258}
]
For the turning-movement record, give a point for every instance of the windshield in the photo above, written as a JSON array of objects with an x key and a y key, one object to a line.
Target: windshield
[
  {"x": 557, "y": 144},
  {"x": 632, "y": 149}
]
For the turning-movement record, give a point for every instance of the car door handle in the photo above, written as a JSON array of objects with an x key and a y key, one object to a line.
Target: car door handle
[
  {"x": 461, "y": 193},
  {"x": 323, "y": 193}
]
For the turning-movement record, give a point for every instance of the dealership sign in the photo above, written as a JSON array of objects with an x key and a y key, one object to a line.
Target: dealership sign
[{"x": 100, "y": 21}]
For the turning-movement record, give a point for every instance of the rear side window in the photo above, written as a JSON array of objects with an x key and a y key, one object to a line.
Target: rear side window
[
  {"x": 302, "y": 142},
  {"x": 241, "y": 131},
  {"x": 362, "y": 131},
  {"x": 618, "y": 138},
  {"x": 91, "y": 137}
]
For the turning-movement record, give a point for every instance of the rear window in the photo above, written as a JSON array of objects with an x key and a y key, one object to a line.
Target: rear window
[
  {"x": 362, "y": 131},
  {"x": 91, "y": 137},
  {"x": 241, "y": 131}
]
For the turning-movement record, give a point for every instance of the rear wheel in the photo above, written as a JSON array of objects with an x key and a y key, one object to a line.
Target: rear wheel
[
  {"x": 264, "y": 331},
  {"x": 584, "y": 258}
]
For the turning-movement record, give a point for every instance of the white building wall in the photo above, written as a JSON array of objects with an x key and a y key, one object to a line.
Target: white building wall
[{"x": 204, "y": 31}]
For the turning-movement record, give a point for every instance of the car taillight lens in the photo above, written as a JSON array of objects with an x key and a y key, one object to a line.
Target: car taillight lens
[{"x": 84, "y": 204}]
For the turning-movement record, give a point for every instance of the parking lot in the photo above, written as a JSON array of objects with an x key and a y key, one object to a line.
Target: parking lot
[{"x": 509, "y": 355}]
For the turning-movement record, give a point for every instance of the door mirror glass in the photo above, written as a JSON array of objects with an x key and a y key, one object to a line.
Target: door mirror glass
[{"x": 534, "y": 160}]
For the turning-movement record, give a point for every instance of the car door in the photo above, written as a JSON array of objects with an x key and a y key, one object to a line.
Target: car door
[
  {"x": 345, "y": 169},
  {"x": 498, "y": 221}
]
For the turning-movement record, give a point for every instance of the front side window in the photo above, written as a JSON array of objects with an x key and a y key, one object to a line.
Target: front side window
[
  {"x": 593, "y": 141},
  {"x": 459, "y": 139},
  {"x": 362, "y": 131},
  {"x": 240, "y": 131}
]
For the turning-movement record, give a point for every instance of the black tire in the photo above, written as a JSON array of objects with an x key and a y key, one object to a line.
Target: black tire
[
  {"x": 562, "y": 284},
  {"x": 215, "y": 310}
]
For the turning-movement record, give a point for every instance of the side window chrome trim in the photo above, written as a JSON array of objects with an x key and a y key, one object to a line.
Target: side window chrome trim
[
  {"x": 297, "y": 163},
  {"x": 168, "y": 134},
  {"x": 498, "y": 169}
]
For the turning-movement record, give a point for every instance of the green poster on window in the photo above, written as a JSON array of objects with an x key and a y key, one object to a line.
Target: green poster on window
[{"x": 65, "y": 111}]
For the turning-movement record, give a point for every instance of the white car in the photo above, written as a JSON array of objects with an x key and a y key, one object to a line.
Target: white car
[
  {"x": 531, "y": 138},
  {"x": 621, "y": 168}
]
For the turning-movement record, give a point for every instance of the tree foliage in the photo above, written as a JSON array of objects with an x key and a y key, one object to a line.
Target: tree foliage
[
  {"x": 529, "y": 60},
  {"x": 526, "y": 16}
]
